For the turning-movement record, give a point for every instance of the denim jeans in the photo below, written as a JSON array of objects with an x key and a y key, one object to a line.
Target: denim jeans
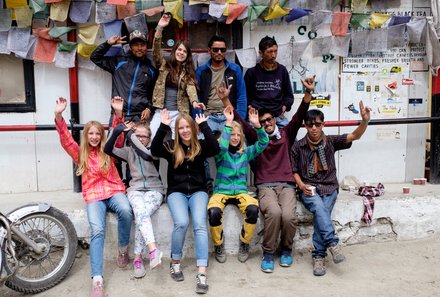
[
  {"x": 323, "y": 233},
  {"x": 96, "y": 213},
  {"x": 282, "y": 122},
  {"x": 179, "y": 203},
  {"x": 216, "y": 122}
]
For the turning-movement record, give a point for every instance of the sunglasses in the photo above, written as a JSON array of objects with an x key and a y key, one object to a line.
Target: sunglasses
[
  {"x": 316, "y": 124},
  {"x": 268, "y": 119},
  {"x": 218, "y": 49}
]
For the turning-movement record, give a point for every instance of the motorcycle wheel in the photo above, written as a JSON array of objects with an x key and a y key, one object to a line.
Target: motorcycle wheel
[{"x": 37, "y": 273}]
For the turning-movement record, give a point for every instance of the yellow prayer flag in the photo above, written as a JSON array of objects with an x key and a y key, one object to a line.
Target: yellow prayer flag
[
  {"x": 276, "y": 12},
  {"x": 59, "y": 10},
  {"x": 378, "y": 19},
  {"x": 175, "y": 7},
  {"x": 23, "y": 16},
  {"x": 86, "y": 50},
  {"x": 88, "y": 33},
  {"x": 15, "y": 4}
]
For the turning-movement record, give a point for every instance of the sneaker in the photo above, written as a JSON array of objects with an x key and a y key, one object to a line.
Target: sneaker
[
  {"x": 337, "y": 254},
  {"x": 176, "y": 273},
  {"x": 98, "y": 290},
  {"x": 318, "y": 266},
  {"x": 286, "y": 260},
  {"x": 139, "y": 269},
  {"x": 202, "y": 284},
  {"x": 155, "y": 258},
  {"x": 267, "y": 263},
  {"x": 220, "y": 253},
  {"x": 243, "y": 252},
  {"x": 122, "y": 260}
]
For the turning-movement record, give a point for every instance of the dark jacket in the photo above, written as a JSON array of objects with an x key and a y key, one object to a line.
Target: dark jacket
[
  {"x": 133, "y": 79},
  {"x": 233, "y": 75},
  {"x": 189, "y": 177}
]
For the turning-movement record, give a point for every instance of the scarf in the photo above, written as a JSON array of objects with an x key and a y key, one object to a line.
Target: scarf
[
  {"x": 316, "y": 159},
  {"x": 276, "y": 133}
]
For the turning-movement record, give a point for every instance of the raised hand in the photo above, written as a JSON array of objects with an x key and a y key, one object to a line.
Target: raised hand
[
  {"x": 200, "y": 118},
  {"x": 309, "y": 83},
  {"x": 165, "y": 117},
  {"x": 365, "y": 112},
  {"x": 116, "y": 40},
  {"x": 165, "y": 20},
  {"x": 222, "y": 91},
  {"x": 229, "y": 114},
  {"x": 60, "y": 106},
  {"x": 129, "y": 125},
  {"x": 253, "y": 117},
  {"x": 117, "y": 103}
]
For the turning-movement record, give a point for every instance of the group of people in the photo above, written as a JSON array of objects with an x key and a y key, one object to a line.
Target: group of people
[{"x": 185, "y": 116}]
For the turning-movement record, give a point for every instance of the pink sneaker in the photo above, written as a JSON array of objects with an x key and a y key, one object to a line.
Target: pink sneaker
[
  {"x": 139, "y": 269},
  {"x": 98, "y": 290},
  {"x": 122, "y": 260},
  {"x": 155, "y": 258}
]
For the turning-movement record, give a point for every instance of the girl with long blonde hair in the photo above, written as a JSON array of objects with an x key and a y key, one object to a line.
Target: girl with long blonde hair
[
  {"x": 102, "y": 189},
  {"x": 187, "y": 187}
]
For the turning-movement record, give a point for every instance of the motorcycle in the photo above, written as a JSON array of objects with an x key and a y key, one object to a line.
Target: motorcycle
[{"x": 38, "y": 247}]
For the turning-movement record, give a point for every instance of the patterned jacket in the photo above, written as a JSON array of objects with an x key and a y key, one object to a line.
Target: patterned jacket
[{"x": 186, "y": 93}]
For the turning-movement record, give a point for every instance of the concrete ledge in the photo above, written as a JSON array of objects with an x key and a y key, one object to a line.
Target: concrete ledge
[{"x": 397, "y": 216}]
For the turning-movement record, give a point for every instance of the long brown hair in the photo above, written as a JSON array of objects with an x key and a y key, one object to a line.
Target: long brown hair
[
  {"x": 84, "y": 149},
  {"x": 176, "y": 68},
  {"x": 177, "y": 151}
]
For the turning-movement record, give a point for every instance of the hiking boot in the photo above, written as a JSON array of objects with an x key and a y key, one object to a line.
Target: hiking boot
[
  {"x": 220, "y": 253},
  {"x": 243, "y": 252},
  {"x": 122, "y": 260},
  {"x": 337, "y": 254},
  {"x": 318, "y": 266},
  {"x": 202, "y": 283},
  {"x": 98, "y": 289},
  {"x": 267, "y": 263},
  {"x": 176, "y": 273},
  {"x": 286, "y": 259},
  {"x": 155, "y": 258},
  {"x": 139, "y": 268}
]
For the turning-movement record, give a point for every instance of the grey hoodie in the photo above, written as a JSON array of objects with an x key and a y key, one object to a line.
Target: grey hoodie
[{"x": 144, "y": 175}]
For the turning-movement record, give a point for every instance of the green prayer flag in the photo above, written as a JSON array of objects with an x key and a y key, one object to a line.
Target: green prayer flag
[
  {"x": 255, "y": 11},
  {"x": 56, "y": 32},
  {"x": 360, "y": 20},
  {"x": 37, "y": 5},
  {"x": 66, "y": 46}
]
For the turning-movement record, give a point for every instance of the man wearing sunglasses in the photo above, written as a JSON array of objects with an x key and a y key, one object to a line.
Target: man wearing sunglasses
[
  {"x": 268, "y": 84},
  {"x": 314, "y": 170},
  {"x": 218, "y": 71},
  {"x": 211, "y": 75},
  {"x": 274, "y": 180}
]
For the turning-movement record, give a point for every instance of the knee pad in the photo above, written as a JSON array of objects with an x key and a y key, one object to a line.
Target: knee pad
[
  {"x": 215, "y": 216},
  {"x": 252, "y": 214}
]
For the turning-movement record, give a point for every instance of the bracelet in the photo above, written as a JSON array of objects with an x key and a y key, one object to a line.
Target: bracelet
[
  {"x": 365, "y": 121},
  {"x": 159, "y": 28}
]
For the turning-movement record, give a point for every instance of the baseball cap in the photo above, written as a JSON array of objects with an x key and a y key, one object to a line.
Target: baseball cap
[{"x": 137, "y": 35}]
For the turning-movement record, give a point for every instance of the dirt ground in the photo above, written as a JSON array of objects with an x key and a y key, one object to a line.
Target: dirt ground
[{"x": 410, "y": 268}]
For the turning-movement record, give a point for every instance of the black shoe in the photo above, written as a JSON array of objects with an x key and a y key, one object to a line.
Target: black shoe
[
  {"x": 176, "y": 272},
  {"x": 243, "y": 252}
]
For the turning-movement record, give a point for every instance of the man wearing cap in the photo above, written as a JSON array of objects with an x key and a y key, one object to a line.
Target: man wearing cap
[{"x": 133, "y": 75}]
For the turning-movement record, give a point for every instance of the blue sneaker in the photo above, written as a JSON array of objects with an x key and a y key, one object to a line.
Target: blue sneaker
[
  {"x": 267, "y": 263},
  {"x": 286, "y": 260}
]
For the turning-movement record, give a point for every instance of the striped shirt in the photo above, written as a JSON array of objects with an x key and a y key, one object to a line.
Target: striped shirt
[
  {"x": 232, "y": 169},
  {"x": 326, "y": 182},
  {"x": 97, "y": 184}
]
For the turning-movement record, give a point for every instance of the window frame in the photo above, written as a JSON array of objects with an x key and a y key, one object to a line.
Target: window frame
[{"x": 29, "y": 90}]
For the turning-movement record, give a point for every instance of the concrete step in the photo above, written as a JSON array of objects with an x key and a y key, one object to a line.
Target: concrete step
[{"x": 397, "y": 216}]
